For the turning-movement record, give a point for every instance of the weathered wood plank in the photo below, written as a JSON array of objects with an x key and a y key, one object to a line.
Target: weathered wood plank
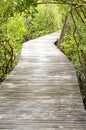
[{"x": 42, "y": 92}]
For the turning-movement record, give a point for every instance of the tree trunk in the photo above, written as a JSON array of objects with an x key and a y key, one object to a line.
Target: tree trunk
[{"x": 66, "y": 22}]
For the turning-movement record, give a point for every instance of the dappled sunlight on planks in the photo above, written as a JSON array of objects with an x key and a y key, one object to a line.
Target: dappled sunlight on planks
[{"x": 42, "y": 92}]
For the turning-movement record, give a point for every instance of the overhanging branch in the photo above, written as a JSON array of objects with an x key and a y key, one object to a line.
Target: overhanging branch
[{"x": 55, "y": 2}]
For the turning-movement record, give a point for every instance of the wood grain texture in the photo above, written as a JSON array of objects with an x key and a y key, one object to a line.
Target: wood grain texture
[{"x": 42, "y": 92}]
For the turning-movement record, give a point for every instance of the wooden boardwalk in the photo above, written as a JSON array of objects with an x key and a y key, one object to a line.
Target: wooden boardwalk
[{"x": 42, "y": 92}]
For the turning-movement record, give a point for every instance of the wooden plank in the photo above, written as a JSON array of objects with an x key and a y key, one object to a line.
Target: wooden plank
[{"x": 42, "y": 92}]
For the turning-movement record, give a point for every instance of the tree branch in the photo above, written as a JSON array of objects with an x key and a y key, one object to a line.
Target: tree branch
[{"x": 55, "y": 2}]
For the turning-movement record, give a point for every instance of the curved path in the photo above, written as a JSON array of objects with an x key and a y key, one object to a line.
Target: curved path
[{"x": 42, "y": 92}]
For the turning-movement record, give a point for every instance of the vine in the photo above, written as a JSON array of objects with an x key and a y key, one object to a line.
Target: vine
[{"x": 74, "y": 36}]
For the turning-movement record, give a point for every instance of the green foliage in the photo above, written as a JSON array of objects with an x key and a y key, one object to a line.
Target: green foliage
[
  {"x": 77, "y": 54},
  {"x": 74, "y": 45},
  {"x": 11, "y": 37},
  {"x": 12, "y": 31},
  {"x": 46, "y": 19},
  {"x": 6, "y": 58},
  {"x": 16, "y": 28},
  {"x": 21, "y": 21}
]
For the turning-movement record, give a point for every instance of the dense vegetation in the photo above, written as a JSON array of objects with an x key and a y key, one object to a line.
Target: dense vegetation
[
  {"x": 19, "y": 23},
  {"x": 73, "y": 42},
  {"x": 26, "y": 19}
]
